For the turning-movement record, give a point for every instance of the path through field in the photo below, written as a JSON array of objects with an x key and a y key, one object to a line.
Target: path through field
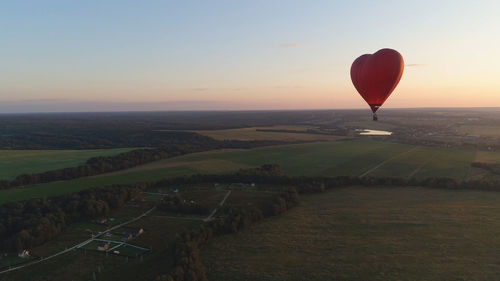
[
  {"x": 210, "y": 217},
  {"x": 386, "y": 161},
  {"x": 421, "y": 166}
]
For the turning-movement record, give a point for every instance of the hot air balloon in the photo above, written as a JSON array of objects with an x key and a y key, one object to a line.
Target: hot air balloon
[{"x": 376, "y": 76}]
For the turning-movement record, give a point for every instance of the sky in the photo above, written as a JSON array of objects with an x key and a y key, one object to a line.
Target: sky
[{"x": 96, "y": 55}]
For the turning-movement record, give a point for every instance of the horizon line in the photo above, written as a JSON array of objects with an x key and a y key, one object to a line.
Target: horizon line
[{"x": 248, "y": 110}]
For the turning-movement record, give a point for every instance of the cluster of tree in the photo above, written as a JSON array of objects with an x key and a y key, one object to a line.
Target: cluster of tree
[
  {"x": 98, "y": 137},
  {"x": 264, "y": 170},
  {"x": 130, "y": 129},
  {"x": 186, "y": 251},
  {"x": 126, "y": 160},
  {"x": 102, "y": 164},
  {"x": 175, "y": 203},
  {"x": 312, "y": 184},
  {"x": 25, "y": 224}
]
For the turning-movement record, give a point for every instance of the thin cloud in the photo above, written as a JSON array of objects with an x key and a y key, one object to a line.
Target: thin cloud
[
  {"x": 45, "y": 100},
  {"x": 199, "y": 89},
  {"x": 415, "y": 64},
  {"x": 289, "y": 45}
]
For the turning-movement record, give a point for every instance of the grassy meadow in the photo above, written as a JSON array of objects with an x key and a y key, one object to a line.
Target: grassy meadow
[
  {"x": 348, "y": 157},
  {"x": 16, "y": 162},
  {"x": 361, "y": 233}
]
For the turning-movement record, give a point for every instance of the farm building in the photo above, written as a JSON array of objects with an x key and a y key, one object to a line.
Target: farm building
[
  {"x": 126, "y": 236},
  {"x": 103, "y": 246},
  {"x": 138, "y": 232},
  {"x": 23, "y": 254}
]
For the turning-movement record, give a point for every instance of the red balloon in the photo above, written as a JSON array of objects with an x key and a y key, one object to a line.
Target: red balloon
[{"x": 376, "y": 76}]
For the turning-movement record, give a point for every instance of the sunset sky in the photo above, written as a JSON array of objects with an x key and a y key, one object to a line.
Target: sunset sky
[{"x": 230, "y": 55}]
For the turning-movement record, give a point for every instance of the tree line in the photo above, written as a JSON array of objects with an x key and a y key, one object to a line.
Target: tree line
[
  {"x": 492, "y": 167},
  {"x": 186, "y": 250},
  {"x": 272, "y": 175},
  {"x": 105, "y": 164}
]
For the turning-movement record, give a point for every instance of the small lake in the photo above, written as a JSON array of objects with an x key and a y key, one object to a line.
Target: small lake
[{"x": 368, "y": 132}]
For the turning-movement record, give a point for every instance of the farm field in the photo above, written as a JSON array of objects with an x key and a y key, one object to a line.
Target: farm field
[
  {"x": 487, "y": 157},
  {"x": 349, "y": 157},
  {"x": 252, "y": 133},
  {"x": 16, "y": 162},
  {"x": 354, "y": 157},
  {"x": 480, "y": 130},
  {"x": 361, "y": 233}
]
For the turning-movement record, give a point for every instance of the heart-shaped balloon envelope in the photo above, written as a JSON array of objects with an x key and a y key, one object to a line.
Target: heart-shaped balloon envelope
[{"x": 376, "y": 76}]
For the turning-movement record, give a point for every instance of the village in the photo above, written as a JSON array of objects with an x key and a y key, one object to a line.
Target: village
[
  {"x": 115, "y": 241},
  {"x": 123, "y": 232}
]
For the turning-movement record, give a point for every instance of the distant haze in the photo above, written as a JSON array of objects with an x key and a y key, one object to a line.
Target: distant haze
[{"x": 231, "y": 55}]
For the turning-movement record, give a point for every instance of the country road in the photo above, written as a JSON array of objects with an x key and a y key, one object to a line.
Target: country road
[
  {"x": 210, "y": 217},
  {"x": 386, "y": 161}
]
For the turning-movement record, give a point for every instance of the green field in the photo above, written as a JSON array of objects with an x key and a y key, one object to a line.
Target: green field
[
  {"x": 353, "y": 157},
  {"x": 328, "y": 159},
  {"x": 16, "y": 162},
  {"x": 363, "y": 233}
]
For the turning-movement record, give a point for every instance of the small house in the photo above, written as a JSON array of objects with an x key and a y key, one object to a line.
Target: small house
[
  {"x": 139, "y": 232},
  {"x": 103, "y": 246},
  {"x": 23, "y": 254},
  {"x": 126, "y": 236}
]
